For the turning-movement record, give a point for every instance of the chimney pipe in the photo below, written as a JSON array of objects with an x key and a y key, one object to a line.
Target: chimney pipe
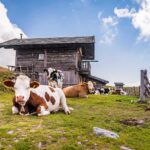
[{"x": 21, "y": 35}]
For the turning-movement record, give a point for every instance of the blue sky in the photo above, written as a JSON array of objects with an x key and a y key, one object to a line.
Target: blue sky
[{"x": 121, "y": 32}]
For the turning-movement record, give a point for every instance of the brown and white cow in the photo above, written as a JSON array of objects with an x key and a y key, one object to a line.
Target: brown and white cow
[
  {"x": 32, "y": 97},
  {"x": 79, "y": 90}
]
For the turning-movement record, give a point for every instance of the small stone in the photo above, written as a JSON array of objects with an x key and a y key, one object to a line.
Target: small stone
[
  {"x": 10, "y": 132},
  {"x": 79, "y": 143},
  {"x": 95, "y": 144},
  {"x": 40, "y": 145},
  {"x": 125, "y": 148}
]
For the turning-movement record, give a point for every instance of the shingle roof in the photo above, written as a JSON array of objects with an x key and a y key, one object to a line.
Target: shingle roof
[
  {"x": 97, "y": 79},
  {"x": 45, "y": 41}
]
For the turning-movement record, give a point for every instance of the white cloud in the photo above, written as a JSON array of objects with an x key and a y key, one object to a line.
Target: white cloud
[
  {"x": 108, "y": 30},
  {"x": 8, "y": 31},
  {"x": 140, "y": 19},
  {"x": 112, "y": 21},
  {"x": 99, "y": 15},
  {"x": 124, "y": 12}
]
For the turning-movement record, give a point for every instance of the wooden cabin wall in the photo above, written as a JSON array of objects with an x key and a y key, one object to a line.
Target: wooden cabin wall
[
  {"x": 63, "y": 60},
  {"x": 67, "y": 61}
]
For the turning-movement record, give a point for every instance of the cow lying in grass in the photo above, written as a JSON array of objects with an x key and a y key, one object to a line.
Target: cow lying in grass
[
  {"x": 32, "y": 97},
  {"x": 79, "y": 90}
]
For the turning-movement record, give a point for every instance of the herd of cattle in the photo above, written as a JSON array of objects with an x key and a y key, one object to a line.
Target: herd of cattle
[{"x": 33, "y": 98}]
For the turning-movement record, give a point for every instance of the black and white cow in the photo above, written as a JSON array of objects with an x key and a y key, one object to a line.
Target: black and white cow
[
  {"x": 55, "y": 77},
  {"x": 32, "y": 97}
]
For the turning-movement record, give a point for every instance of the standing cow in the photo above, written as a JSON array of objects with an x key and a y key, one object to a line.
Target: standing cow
[
  {"x": 30, "y": 97},
  {"x": 55, "y": 77}
]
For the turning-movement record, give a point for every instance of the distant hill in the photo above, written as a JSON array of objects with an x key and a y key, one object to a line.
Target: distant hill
[{"x": 3, "y": 69}]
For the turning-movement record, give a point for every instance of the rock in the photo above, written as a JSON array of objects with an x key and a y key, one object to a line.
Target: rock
[
  {"x": 40, "y": 145},
  {"x": 79, "y": 143},
  {"x": 103, "y": 132},
  {"x": 125, "y": 148},
  {"x": 10, "y": 132}
]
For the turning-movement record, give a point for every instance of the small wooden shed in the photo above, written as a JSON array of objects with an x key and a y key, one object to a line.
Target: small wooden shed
[
  {"x": 72, "y": 55},
  {"x": 119, "y": 85}
]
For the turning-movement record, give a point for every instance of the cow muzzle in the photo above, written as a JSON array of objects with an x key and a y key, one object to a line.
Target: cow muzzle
[{"x": 20, "y": 100}]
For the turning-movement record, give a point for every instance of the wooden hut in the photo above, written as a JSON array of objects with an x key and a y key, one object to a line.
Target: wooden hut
[{"x": 72, "y": 55}]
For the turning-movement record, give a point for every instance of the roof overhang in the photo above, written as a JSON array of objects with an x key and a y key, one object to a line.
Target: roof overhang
[
  {"x": 96, "y": 79},
  {"x": 66, "y": 43}
]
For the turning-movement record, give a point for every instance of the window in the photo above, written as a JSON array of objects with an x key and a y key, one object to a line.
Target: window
[{"x": 41, "y": 57}]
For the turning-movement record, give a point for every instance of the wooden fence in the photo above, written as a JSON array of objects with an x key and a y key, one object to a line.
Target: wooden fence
[{"x": 144, "y": 87}]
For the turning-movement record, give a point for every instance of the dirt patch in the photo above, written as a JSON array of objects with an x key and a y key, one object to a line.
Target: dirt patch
[{"x": 132, "y": 122}]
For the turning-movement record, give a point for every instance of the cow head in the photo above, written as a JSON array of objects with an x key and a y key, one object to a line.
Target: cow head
[
  {"x": 21, "y": 86},
  {"x": 55, "y": 77},
  {"x": 90, "y": 87}
]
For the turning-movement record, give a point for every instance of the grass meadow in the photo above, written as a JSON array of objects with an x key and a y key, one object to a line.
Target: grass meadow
[{"x": 75, "y": 131}]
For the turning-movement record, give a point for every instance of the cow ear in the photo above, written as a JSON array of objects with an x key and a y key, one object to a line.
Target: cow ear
[
  {"x": 45, "y": 70},
  {"x": 34, "y": 84},
  {"x": 9, "y": 83}
]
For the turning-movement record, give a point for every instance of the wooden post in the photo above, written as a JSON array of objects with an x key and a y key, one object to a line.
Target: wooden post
[{"x": 142, "y": 86}]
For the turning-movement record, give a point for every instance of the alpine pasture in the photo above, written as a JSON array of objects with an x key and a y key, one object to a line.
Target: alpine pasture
[{"x": 75, "y": 131}]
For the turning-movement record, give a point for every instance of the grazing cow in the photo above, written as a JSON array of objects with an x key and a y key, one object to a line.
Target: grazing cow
[
  {"x": 79, "y": 90},
  {"x": 32, "y": 97},
  {"x": 55, "y": 77}
]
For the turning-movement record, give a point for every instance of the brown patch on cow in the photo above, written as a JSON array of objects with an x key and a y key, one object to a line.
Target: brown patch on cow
[
  {"x": 34, "y": 84},
  {"x": 52, "y": 99},
  {"x": 38, "y": 110},
  {"x": 47, "y": 96},
  {"x": 35, "y": 100},
  {"x": 52, "y": 90}
]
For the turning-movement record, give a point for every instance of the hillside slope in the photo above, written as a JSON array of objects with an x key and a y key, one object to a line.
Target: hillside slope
[{"x": 4, "y": 75}]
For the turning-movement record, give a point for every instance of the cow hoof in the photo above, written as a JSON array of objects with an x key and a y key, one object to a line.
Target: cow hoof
[{"x": 67, "y": 112}]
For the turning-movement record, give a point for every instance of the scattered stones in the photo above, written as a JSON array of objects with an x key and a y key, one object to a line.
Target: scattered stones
[
  {"x": 125, "y": 148},
  {"x": 10, "y": 132},
  {"x": 132, "y": 122},
  {"x": 103, "y": 132}
]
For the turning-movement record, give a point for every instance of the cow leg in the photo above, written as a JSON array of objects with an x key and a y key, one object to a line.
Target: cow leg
[
  {"x": 63, "y": 103},
  {"x": 15, "y": 110},
  {"x": 41, "y": 111}
]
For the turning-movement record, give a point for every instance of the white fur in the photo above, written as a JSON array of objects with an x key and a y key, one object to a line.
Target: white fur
[
  {"x": 22, "y": 86},
  {"x": 58, "y": 95}
]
